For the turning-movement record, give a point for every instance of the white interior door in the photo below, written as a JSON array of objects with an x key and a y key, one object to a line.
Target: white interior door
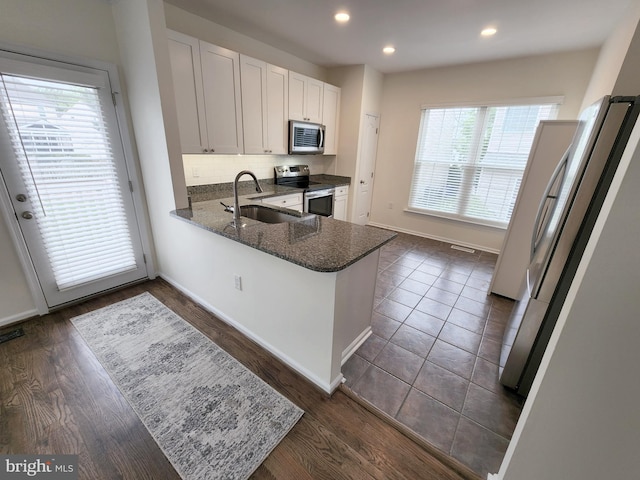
[
  {"x": 364, "y": 187},
  {"x": 63, "y": 165}
]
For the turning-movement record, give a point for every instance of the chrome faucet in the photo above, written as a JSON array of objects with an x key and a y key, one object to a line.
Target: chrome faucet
[{"x": 236, "y": 206}]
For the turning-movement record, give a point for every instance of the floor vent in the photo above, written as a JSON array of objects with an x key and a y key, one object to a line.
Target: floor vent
[
  {"x": 463, "y": 249},
  {"x": 5, "y": 337}
]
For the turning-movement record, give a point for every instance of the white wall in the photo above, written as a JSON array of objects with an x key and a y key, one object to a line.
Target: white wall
[
  {"x": 350, "y": 80},
  {"x": 372, "y": 90},
  {"x": 82, "y": 28},
  {"x": 613, "y": 54},
  {"x": 208, "y": 169},
  {"x": 15, "y": 298},
  {"x": 628, "y": 82},
  {"x": 145, "y": 63},
  {"x": 582, "y": 419},
  {"x": 361, "y": 93},
  {"x": 71, "y": 27},
  {"x": 404, "y": 93}
]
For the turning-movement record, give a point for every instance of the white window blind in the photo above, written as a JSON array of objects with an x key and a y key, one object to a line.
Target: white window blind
[
  {"x": 60, "y": 137},
  {"x": 470, "y": 160}
]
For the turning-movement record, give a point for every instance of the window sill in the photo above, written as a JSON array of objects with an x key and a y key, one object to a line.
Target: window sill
[{"x": 469, "y": 221}]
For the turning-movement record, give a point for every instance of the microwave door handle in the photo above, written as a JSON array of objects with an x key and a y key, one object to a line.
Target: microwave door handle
[
  {"x": 535, "y": 240},
  {"x": 321, "y": 138}
]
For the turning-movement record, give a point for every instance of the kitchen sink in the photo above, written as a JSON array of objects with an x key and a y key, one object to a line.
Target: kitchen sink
[{"x": 265, "y": 214}]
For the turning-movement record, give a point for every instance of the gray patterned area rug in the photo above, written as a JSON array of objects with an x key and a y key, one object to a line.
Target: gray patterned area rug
[{"x": 213, "y": 418}]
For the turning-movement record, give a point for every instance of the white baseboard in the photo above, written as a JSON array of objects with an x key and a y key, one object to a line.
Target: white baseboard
[
  {"x": 335, "y": 384},
  {"x": 435, "y": 237},
  {"x": 351, "y": 349},
  {"x": 18, "y": 317},
  {"x": 324, "y": 386}
]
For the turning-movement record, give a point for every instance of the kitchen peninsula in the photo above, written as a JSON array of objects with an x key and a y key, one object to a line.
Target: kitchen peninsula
[{"x": 302, "y": 289}]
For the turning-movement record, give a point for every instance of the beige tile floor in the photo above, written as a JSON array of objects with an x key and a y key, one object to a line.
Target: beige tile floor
[{"x": 432, "y": 360}]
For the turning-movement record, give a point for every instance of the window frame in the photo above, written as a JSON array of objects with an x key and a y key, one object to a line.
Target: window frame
[
  {"x": 557, "y": 101},
  {"x": 38, "y": 57}
]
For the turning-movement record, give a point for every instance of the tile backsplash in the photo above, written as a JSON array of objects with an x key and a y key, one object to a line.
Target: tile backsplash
[{"x": 208, "y": 169}]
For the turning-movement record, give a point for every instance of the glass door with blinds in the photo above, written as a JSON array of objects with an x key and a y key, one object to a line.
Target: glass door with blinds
[{"x": 63, "y": 165}]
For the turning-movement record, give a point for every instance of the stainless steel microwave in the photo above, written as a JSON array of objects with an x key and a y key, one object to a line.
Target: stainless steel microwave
[{"x": 305, "y": 138}]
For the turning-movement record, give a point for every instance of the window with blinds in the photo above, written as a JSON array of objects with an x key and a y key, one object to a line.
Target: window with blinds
[
  {"x": 60, "y": 138},
  {"x": 470, "y": 160}
]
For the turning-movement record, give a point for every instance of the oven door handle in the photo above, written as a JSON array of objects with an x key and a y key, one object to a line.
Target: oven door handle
[{"x": 320, "y": 193}]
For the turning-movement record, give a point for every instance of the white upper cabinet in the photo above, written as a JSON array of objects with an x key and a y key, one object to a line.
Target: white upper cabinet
[
  {"x": 278, "y": 109},
  {"x": 330, "y": 118},
  {"x": 221, "y": 85},
  {"x": 305, "y": 98},
  {"x": 184, "y": 53},
  {"x": 206, "y": 82},
  {"x": 264, "y": 106},
  {"x": 230, "y": 103}
]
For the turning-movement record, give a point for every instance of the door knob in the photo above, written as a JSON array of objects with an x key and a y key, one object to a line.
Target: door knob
[
  {"x": 21, "y": 197},
  {"x": 362, "y": 182},
  {"x": 27, "y": 215}
]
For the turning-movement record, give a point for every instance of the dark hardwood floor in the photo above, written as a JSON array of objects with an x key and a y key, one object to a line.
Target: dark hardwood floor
[{"x": 56, "y": 398}]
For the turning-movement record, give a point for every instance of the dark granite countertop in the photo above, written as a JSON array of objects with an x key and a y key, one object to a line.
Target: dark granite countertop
[
  {"x": 202, "y": 193},
  {"x": 336, "y": 180},
  {"x": 314, "y": 242}
]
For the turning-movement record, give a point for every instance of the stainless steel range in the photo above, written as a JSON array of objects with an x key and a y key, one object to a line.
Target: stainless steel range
[{"x": 318, "y": 197}]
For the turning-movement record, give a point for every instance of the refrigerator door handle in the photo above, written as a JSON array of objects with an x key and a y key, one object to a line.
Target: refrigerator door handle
[{"x": 535, "y": 239}]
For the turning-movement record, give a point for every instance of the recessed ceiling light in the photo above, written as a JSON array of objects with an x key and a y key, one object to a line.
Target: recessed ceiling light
[
  {"x": 389, "y": 50},
  {"x": 488, "y": 32},
  {"x": 342, "y": 17}
]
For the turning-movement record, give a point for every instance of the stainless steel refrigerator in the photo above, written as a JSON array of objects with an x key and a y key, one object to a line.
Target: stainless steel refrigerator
[{"x": 567, "y": 212}]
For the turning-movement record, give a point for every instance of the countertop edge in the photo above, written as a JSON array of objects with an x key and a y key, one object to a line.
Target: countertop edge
[{"x": 332, "y": 269}]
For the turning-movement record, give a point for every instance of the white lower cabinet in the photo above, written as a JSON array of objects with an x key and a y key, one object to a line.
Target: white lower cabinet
[
  {"x": 292, "y": 201},
  {"x": 340, "y": 202}
]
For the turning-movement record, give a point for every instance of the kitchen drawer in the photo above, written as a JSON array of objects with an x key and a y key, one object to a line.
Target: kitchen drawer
[
  {"x": 341, "y": 191},
  {"x": 288, "y": 201}
]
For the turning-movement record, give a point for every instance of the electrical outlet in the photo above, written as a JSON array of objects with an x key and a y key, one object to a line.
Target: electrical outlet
[{"x": 238, "y": 282}]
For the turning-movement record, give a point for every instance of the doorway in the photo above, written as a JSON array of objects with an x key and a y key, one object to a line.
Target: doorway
[
  {"x": 66, "y": 178},
  {"x": 366, "y": 170}
]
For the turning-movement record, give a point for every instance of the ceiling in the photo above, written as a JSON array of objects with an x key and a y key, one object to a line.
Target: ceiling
[{"x": 426, "y": 33}]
